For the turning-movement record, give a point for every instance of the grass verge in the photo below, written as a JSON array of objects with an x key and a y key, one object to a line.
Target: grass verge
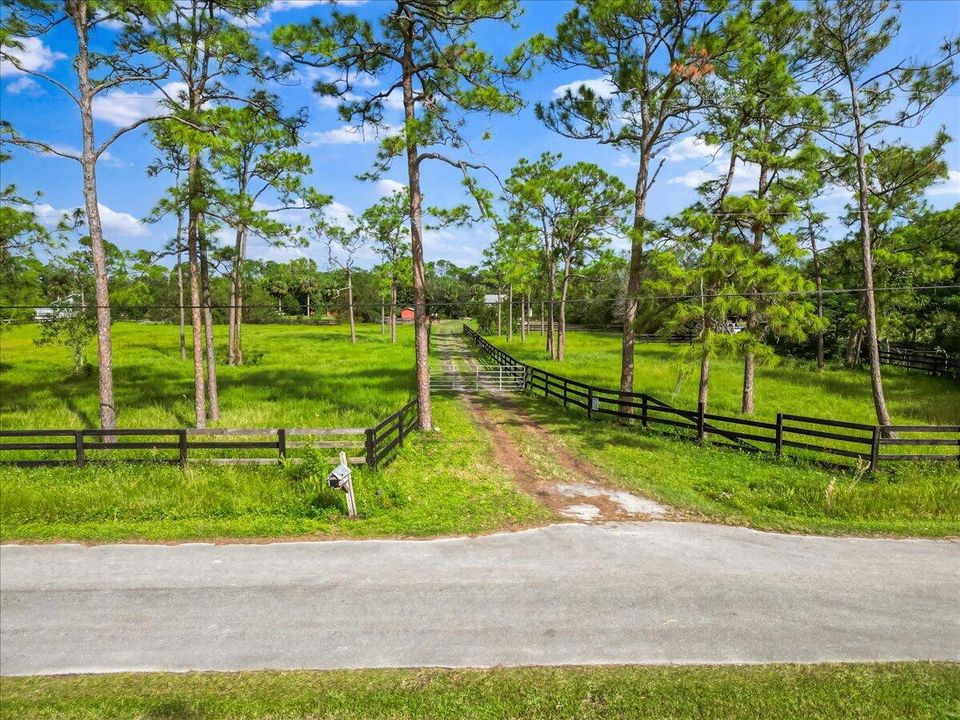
[
  {"x": 736, "y": 488},
  {"x": 441, "y": 483},
  {"x": 874, "y": 692}
]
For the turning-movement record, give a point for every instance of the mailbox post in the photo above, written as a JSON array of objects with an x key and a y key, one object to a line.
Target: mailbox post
[{"x": 341, "y": 478}]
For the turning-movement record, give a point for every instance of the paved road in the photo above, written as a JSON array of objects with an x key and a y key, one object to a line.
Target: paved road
[{"x": 653, "y": 592}]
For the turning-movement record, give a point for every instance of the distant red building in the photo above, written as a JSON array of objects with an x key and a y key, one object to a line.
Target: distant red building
[{"x": 407, "y": 314}]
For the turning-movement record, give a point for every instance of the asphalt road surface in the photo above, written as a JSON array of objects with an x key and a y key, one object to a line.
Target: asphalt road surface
[{"x": 655, "y": 592}]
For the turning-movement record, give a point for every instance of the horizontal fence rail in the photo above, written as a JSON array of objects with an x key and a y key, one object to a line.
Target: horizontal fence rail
[
  {"x": 809, "y": 437},
  {"x": 500, "y": 377},
  {"x": 223, "y": 446},
  {"x": 928, "y": 361}
]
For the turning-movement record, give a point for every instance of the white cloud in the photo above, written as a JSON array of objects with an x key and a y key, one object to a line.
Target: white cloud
[
  {"x": 112, "y": 221},
  {"x": 625, "y": 160},
  {"x": 837, "y": 192},
  {"x": 110, "y": 23},
  {"x": 332, "y": 101},
  {"x": 386, "y": 186},
  {"x": 602, "y": 87},
  {"x": 745, "y": 175},
  {"x": 266, "y": 15},
  {"x": 24, "y": 85},
  {"x": 121, "y": 108},
  {"x": 121, "y": 223},
  {"x": 691, "y": 148},
  {"x": 950, "y": 186},
  {"x": 458, "y": 245},
  {"x": 34, "y": 55},
  {"x": 349, "y": 135},
  {"x": 694, "y": 178},
  {"x": 394, "y": 101},
  {"x": 337, "y": 212}
]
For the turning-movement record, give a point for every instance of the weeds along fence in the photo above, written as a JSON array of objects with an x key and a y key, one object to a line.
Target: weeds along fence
[
  {"x": 808, "y": 437},
  {"x": 928, "y": 361},
  {"x": 225, "y": 446}
]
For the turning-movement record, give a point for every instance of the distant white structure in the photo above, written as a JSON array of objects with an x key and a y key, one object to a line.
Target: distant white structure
[
  {"x": 58, "y": 308},
  {"x": 492, "y": 299}
]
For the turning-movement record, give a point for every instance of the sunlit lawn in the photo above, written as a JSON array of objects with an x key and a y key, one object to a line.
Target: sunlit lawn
[
  {"x": 441, "y": 483},
  {"x": 296, "y": 376}
]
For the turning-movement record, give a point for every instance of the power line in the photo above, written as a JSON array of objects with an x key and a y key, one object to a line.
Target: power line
[{"x": 461, "y": 303}]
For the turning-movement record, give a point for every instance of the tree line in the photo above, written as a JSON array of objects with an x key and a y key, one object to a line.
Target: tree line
[{"x": 797, "y": 101}]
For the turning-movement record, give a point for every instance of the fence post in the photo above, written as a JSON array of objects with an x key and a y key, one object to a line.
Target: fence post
[
  {"x": 282, "y": 443},
  {"x": 403, "y": 414},
  {"x": 81, "y": 456},
  {"x": 643, "y": 410},
  {"x": 875, "y": 448},
  {"x": 779, "y": 438},
  {"x": 182, "y": 442},
  {"x": 701, "y": 433},
  {"x": 589, "y": 402},
  {"x": 371, "y": 450},
  {"x": 564, "y": 393}
]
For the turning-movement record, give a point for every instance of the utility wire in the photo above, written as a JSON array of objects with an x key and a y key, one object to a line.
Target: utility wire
[{"x": 690, "y": 296}]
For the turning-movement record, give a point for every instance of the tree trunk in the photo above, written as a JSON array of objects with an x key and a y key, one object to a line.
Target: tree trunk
[
  {"x": 499, "y": 312},
  {"x": 818, "y": 281},
  {"x": 353, "y": 325},
  {"x": 551, "y": 290},
  {"x": 232, "y": 312},
  {"x": 88, "y": 161},
  {"x": 421, "y": 341},
  {"x": 383, "y": 316},
  {"x": 308, "y": 306},
  {"x": 562, "y": 324},
  {"x": 749, "y": 356},
  {"x": 523, "y": 317},
  {"x": 542, "y": 328},
  {"x": 873, "y": 347},
  {"x": 238, "y": 313},
  {"x": 183, "y": 339},
  {"x": 510, "y": 313},
  {"x": 704, "y": 387},
  {"x": 393, "y": 312},
  {"x": 212, "y": 391},
  {"x": 633, "y": 278},
  {"x": 199, "y": 383}
]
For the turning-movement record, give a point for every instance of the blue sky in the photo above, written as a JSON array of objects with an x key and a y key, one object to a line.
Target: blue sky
[{"x": 127, "y": 194}]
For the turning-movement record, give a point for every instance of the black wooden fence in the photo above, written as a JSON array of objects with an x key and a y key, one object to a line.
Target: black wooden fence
[
  {"x": 177, "y": 446},
  {"x": 813, "y": 437},
  {"x": 928, "y": 361}
]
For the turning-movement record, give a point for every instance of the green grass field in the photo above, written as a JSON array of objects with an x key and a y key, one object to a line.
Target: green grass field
[
  {"x": 296, "y": 376},
  {"x": 788, "y": 386},
  {"x": 920, "y": 691},
  {"x": 444, "y": 483}
]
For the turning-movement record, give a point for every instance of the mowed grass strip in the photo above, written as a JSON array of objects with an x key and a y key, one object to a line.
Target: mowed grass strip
[
  {"x": 761, "y": 491},
  {"x": 784, "y": 385},
  {"x": 442, "y": 483},
  {"x": 870, "y": 692}
]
